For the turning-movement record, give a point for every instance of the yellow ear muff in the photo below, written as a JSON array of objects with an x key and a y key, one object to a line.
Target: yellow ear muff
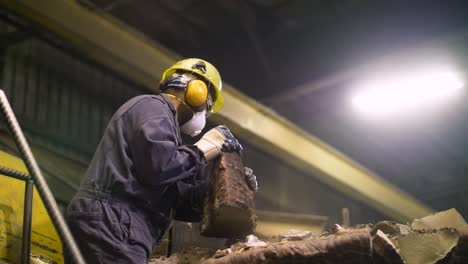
[{"x": 196, "y": 93}]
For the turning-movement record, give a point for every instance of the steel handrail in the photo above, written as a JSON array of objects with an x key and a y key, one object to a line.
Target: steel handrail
[
  {"x": 27, "y": 207},
  {"x": 39, "y": 181}
]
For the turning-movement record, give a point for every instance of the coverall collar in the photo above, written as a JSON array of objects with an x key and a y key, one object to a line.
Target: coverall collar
[
  {"x": 174, "y": 117},
  {"x": 166, "y": 100}
]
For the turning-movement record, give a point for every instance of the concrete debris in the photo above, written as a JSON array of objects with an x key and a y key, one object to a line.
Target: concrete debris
[
  {"x": 354, "y": 247},
  {"x": 436, "y": 238},
  {"x": 459, "y": 254},
  {"x": 189, "y": 256},
  {"x": 250, "y": 242},
  {"x": 253, "y": 241},
  {"x": 384, "y": 251},
  {"x": 450, "y": 218},
  {"x": 386, "y": 242},
  {"x": 427, "y": 248},
  {"x": 391, "y": 228},
  {"x": 164, "y": 260},
  {"x": 338, "y": 229},
  {"x": 294, "y": 235}
]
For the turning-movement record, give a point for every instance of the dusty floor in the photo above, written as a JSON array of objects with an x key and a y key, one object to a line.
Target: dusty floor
[{"x": 193, "y": 255}]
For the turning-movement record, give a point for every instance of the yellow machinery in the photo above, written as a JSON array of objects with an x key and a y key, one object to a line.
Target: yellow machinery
[
  {"x": 45, "y": 241},
  {"x": 29, "y": 215}
]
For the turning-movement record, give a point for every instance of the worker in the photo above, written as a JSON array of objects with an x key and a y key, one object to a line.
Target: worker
[{"x": 141, "y": 176}]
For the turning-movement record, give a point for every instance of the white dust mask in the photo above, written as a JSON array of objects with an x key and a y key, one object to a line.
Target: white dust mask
[{"x": 194, "y": 126}]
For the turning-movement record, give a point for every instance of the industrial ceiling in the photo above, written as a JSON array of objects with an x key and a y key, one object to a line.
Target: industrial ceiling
[{"x": 303, "y": 58}]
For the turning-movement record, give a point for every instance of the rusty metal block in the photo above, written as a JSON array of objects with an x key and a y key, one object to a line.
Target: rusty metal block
[{"x": 228, "y": 209}]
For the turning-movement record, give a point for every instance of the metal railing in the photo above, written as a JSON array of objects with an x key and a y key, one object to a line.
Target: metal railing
[
  {"x": 36, "y": 178},
  {"x": 27, "y": 213}
]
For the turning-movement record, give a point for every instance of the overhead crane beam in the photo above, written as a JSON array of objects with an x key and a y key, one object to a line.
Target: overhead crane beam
[{"x": 134, "y": 56}]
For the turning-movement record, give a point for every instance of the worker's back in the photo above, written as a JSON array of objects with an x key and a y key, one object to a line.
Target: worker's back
[{"x": 128, "y": 196}]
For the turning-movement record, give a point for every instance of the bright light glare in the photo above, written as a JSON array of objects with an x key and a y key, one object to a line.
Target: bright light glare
[{"x": 398, "y": 95}]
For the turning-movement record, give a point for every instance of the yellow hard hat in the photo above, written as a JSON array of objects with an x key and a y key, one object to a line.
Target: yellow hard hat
[{"x": 205, "y": 71}]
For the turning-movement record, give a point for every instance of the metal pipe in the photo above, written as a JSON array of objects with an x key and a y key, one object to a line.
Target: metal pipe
[
  {"x": 41, "y": 184},
  {"x": 345, "y": 218},
  {"x": 27, "y": 220},
  {"x": 44, "y": 168},
  {"x": 27, "y": 213},
  {"x": 170, "y": 241},
  {"x": 14, "y": 173}
]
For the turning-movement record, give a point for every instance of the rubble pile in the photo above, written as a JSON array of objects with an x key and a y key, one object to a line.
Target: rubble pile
[
  {"x": 228, "y": 210},
  {"x": 354, "y": 247},
  {"x": 188, "y": 256},
  {"x": 439, "y": 238}
]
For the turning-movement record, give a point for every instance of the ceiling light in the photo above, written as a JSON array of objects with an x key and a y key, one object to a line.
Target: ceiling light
[{"x": 406, "y": 92}]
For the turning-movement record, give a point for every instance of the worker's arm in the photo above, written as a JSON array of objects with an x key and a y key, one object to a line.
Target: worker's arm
[
  {"x": 190, "y": 201},
  {"x": 158, "y": 158},
  {"x": 161, "y": 162},
  {"x": 191, "y": 194}
]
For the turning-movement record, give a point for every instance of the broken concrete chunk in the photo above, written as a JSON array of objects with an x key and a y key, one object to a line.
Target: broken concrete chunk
[
  {"x": 445, "y": 219},
  {"x": 293, "y": 234},
  {"x": 391, "y": 228},
  {"x": 253, "y": 241},
  {"x": 459, "y": 254},
  {"x": 404, "y": 229},
  {"x": 387, "y": 242},
  {"x": 426, "y": 248},
  {"x": 384, "y": 251}
]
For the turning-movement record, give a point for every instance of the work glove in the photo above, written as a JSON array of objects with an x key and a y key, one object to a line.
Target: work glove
[
  {"x": 251, "y": 179},
  {"x": 216, "y": 141}
]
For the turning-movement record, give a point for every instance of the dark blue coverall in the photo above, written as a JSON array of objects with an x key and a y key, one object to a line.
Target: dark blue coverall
[{"x": 140, "y": 178}]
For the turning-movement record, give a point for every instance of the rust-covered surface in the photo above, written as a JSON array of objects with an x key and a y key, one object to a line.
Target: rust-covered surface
[
  {"x": 386, "y": 242},
  {"x": 228, "y": 210},
  {"x": 352, "y": 246}
]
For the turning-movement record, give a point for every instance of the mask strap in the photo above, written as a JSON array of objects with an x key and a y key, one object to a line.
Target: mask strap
[{"x": 180, "y": 100}]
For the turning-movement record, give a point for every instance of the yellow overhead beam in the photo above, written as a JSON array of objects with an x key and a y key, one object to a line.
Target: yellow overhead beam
[{"x": 134, "y": 56}]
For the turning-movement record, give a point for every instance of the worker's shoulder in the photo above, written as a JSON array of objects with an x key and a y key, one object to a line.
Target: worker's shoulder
[
  {"x": 143, "y": 107},
  {"x": 146, "y": 99}
]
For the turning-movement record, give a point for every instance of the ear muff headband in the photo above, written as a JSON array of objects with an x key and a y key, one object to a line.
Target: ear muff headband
[
  {"x": 196, "y": 91},
  {"x": 181, "y": 101}
]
